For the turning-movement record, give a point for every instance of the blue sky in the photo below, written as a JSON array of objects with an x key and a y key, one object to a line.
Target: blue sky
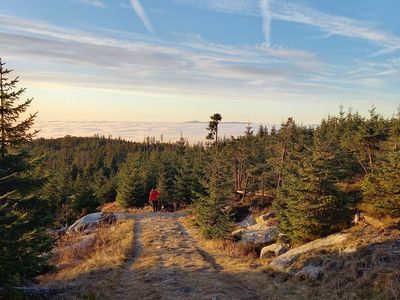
[{"x": 179, "y": 60}]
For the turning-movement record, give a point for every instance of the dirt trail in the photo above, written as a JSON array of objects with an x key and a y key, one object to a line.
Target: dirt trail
[{"x": 168, "y": 264}]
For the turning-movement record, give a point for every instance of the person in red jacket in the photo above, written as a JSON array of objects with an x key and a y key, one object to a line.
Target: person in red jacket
[{"x": 153, "y": 199}]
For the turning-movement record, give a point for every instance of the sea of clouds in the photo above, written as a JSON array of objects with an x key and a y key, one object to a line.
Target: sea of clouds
[{"x": 137, "y": 131}]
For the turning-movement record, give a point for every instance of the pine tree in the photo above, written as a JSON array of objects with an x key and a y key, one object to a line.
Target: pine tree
[
  {"x": 381, "y": 190},
  {"x": 84, "y": 199},
  {"x": 395, "y": 130},
  {"x": 130, "y": 187},
  {"x": 372, "y": 133},
  {"x": 213, "y": 127},
  {"x": 213, "y": 220},
  {"x": 165, "y": 188},
  {"x": 103, "y": 187},
  {"x": 249, "y": 130},
  {"x": 184, "y": 183},
  {"x": 22, "y": 213},
  {"x": 309, "y": 204},
  {"x": 151, "y": 171}
]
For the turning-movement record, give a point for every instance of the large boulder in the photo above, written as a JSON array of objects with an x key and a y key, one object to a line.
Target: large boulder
[
  {"x": 249, "y": 221},
  {"x": 91, "y": 221},
  {"x": 263, "y": 218},
  {"x": 283, "y": 262},
  {"x": 258, "y": 234},
  {"x": 274, "y": 250}
]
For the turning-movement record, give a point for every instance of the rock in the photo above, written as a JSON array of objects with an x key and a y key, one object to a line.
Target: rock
[
  {"x": 238, "y": 233},
  {"x": 107, "y": 218},
  {"x": 309, "y": 272},
  {"x": 249, "y": 221},
  {"x": 266, "y": 217},
  {"x": 274, "y": 250},
  {"x": 259, "y": 234},
  {"x": 84, "y": 223},
  {"x": 91, "y": 221},
  {"x": 283, "y": 262}
]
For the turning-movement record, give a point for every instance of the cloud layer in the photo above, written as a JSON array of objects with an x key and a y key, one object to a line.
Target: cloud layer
[{"x": 137, "y": 131}]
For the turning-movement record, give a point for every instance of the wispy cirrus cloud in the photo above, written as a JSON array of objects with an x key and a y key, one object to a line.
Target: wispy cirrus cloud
[
  {"x": 144, "y": 67},
  {"x": 137, "y": 6},
  {"x": 327, "y": 23},
  {"x": 95, "y": 3}
]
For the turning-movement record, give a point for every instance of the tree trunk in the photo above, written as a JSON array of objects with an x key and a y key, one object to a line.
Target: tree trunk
[
  {"x": 280, "y": 167},
  {"x": 3, "y": 134},
  {"x": 371, "y": 163}
]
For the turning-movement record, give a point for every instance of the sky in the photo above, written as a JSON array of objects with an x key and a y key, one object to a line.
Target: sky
[{"x": 180, "y": 60}]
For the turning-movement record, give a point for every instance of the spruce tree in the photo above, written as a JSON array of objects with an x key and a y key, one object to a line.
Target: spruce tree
[
  {"x": 184, "y": 183},
  {"x": 130, "y": 187},
  {"x": 214, "y": 222},
  {"x": 103, "y": 187},
  {"x": 165, "y": 188},
  {"x": 309, "y": 204},
  {"x": 22, "y": 213},
  {"x": 84, "y": 200},
  {"x": 381, "y": 190}
]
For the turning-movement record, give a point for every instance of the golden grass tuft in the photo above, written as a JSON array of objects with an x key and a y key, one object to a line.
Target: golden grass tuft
[
  {"x": 237, "y": 250},
  {"x": 90, "y": 264},
  {"x": 116, "y": 207}
]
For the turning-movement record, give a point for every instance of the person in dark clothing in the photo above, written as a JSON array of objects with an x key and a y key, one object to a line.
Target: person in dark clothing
[{"x": 153, "y": 199}]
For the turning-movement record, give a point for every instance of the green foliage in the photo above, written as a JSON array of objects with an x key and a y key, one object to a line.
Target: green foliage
[
  {"x": 104, "y": 188},
  {"x": 309, "y": 204},
  {"x": 83, "y": 199},
  {"x": 381, "y": 190},
  {"x": 130, "y": 186},
  {"x": 185, "y": 182},
  {"x": 213, "y": 221},
  {"x": 23, "y": 214},
  {"x": 349, "y": 147},
  {"x": 213, "y": 127}
]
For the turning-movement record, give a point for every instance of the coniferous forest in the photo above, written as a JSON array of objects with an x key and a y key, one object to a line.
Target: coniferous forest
[{"x": 315, "y": 178}]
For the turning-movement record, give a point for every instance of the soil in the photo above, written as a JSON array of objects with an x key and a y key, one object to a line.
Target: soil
[{"x": 168, "y": 263}]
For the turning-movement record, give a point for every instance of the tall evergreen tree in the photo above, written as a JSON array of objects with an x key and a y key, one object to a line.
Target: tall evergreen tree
[
  {"x": 213, "y": 127},
  {"x": 84, "y": 200},
  {"x": 103, "y": 187},
  {"x": 184, "y": 183},
  {"x": 381, "y": 190},
  {"x": 213, "y": 220},
  {"x": 309, "y": 203},
  {"x": 130, "y": 186},
  {"x": 22, "y": 217},
  {"x": 165, "y": 187},
  {"x": 372, "y": 133},
  {"x": 395, "y": 130}
]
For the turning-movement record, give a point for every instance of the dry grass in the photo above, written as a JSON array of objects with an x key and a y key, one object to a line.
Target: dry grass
[
  {"x": 236, "y": 250},
  {"x": 229, "y": 247},
  {"x": 90, "y": 264},
  {"x": 115, "y": 207},
  {"x": 372, "y": 271}
]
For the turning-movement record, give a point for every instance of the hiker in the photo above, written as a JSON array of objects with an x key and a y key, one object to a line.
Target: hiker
[{"x": 153, "y": 199}]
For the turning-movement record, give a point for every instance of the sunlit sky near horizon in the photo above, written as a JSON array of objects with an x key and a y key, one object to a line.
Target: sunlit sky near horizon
[{"x": 181, "y": 60}]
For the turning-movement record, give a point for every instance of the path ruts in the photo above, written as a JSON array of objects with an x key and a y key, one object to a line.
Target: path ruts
[{"x": 167, "y": 263}]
